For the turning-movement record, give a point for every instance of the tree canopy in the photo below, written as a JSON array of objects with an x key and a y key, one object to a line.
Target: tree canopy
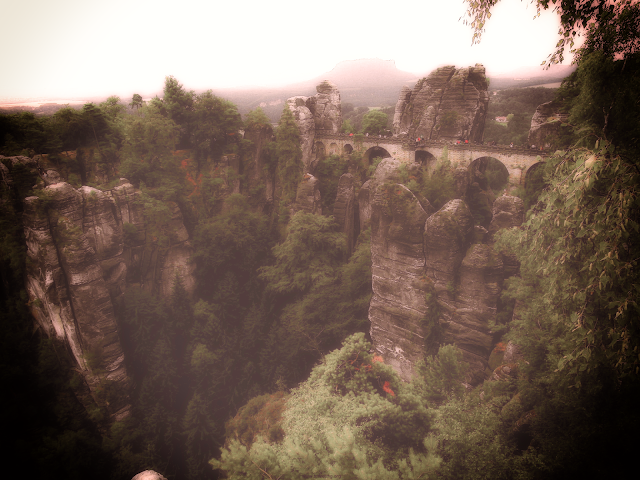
[{"x": 374, "y": 122}]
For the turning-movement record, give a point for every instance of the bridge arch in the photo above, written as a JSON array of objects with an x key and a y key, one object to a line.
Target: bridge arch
[
  {"x": 489, "y": 172},
  {"x": 333, "y": 149},
  {"x": 374, "y": 152},
  {"x": 533, "y": 174},
  {"x": 534, "y": 181},
  {"x": 425, "y": 159},
  {"x": 347, "y": 149}
]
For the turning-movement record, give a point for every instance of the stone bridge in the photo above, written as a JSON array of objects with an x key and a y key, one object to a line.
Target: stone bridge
[{"x": 518, "y": 161}]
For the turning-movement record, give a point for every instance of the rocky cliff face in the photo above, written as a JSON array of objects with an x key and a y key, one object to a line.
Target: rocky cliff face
[
  {"x": 398, "y": 305},
  {"x": 435, "y": 277},
  {"x": 546, "y": 123},
  {"x": 321, "y": 112},
  {"x": 84, "y": 248},
  {"x": 449, "y": 104}
]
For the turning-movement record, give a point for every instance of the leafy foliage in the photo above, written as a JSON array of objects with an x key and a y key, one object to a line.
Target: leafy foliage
[
  {"x": 580, "y": 261},
  {"x": 360, "y": 429},
  {"x": 260, "y": 417},
  {"x": 256, "y": 118},
  {"x": 328, "y": 171},
  {"x": 375, "y": 122},
  {"x": 289, "y": 155},
  {"x": 150, "y": 139},
  {"x": 437, "y": 185}
]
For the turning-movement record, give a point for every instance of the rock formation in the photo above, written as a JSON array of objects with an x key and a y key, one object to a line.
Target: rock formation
[
  {"x": 449, "y": 104},
  {"x": 546, "y": 123},
  {"x": 85, "y": 247},
  {"x": 308, "y": 196},
  {"x": 304, "y": 118},
  {"x": 435, "y": 276},
  {"x": 320, "y": 112},
  {"x": 68, "y": 294},
  {"x": 398, "y": 304},
  {"x": 344, "y": 209}
]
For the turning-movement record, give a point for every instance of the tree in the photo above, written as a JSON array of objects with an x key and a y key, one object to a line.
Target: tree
[
  {"x": 289, "y": 155},
  {"x": 612, "y": 27},
  {"x": 347, "y": 127},
  {"x": 214, "y": 125},
  {"x": 374, "y": 122},
  {"x": 598, "y": 95},
  {"x": 577, "y": 252},
  {"x": 368, "y": 425},
  {"x": 136, "y": 101},
  {"x": 310, "y": 254},
  {"x": 256, "y": 119},
  {"x": 112, "y": 107},
  {"x": 449, "y": 121},
  {"x": 150, "y": 139}
]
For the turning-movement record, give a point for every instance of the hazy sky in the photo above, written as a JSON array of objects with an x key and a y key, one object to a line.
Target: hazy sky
[{"x": 75, "y": 48}]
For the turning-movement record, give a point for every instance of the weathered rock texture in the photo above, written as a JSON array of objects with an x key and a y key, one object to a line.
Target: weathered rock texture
[
  {"x": 303, "y": 116},
  {"x": 448, "y": 104},
  {"x": 508, "y": 212},
  {"x": 66, "y": 285},
  {"x": 308, "y": 196},
  {"x": 546, "y": 123},
  {"x": 435, "y": 276},
  {"x": 344, "y": 209},
  {"x": 398, "y": 304},
  {"x": 85, "y": 247},
  {"x": 321, "y": 112}
]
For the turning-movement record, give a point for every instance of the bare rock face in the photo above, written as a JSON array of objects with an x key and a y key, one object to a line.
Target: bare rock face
[
  {"x": 546, "y": 123},
  {"x": 308, "y": 196},
  {"x": 461, "y": 181},
  {"x": 507, "y": 212},
  {"x": 436, "y": 277},
  {"x": 66, "y": 285},
  {"x": 364, "y": 205},
  {"x": 320, "y": 112},
  {"x": 85, "y": 247},
  {"x": 344, "y": 209},
  {"x": 304, "y": 118},
  {"x": 445, "y": 239},
  {"x": 103, "y": 230},
  {"x": 398, "y": 305},
  {"x": 328, "y": 109},
  {"x": 449, "y": 104},
  {"x": 386, "y": 172},
  {"x": 481, "y": 275}
]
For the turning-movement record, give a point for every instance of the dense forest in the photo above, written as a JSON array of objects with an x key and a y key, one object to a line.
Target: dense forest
[
  {"x": 518, "y": 105},
  {"x": 267, "y": 371}
]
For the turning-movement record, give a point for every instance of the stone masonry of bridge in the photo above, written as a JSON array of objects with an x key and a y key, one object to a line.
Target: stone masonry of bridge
[{"x": 518, "y": 161}]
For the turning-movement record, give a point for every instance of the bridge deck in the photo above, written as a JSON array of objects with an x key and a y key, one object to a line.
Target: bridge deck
[{"x": 517, "y": 160}]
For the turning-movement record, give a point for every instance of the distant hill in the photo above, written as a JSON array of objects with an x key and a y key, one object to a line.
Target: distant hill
[
  {"x": 530, "y": 77},
  {"x": 364, "y": 83}
]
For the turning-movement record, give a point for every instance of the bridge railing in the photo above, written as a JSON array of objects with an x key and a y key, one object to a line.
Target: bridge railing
[{"x": 412, "y": 144}]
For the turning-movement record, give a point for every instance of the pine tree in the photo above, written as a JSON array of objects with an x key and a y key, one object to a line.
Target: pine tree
[{"x": 289, "y": 155}]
